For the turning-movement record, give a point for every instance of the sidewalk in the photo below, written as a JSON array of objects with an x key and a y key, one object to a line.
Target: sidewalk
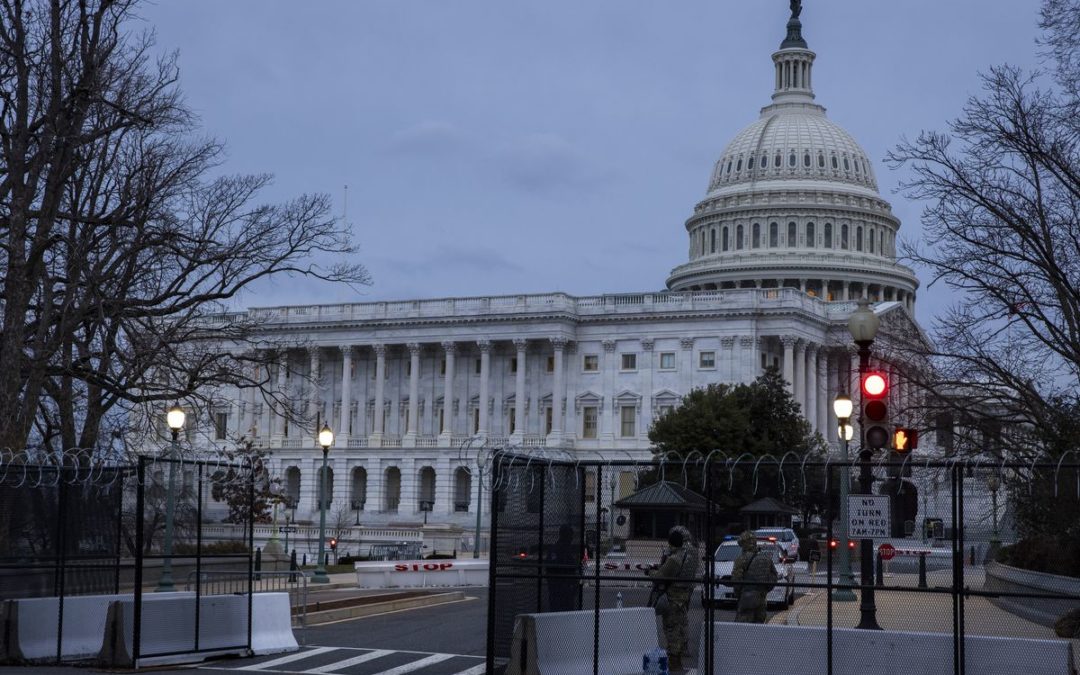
[{"x": 906, "y": 610}]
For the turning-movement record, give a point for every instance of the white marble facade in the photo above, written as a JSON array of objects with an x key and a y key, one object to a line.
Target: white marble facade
[{"x": 791, "y": 231}]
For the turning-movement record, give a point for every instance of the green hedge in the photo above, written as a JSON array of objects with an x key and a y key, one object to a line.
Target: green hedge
[{"x": 1044, "y": 554}]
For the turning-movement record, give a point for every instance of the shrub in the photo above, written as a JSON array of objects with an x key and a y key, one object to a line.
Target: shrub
[{"x": 1044, "y": 554}]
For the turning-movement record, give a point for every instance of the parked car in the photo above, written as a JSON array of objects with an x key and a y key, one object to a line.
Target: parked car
[
  {"x": 785, "y": 538},
  {"x": 724, "y": 561}
]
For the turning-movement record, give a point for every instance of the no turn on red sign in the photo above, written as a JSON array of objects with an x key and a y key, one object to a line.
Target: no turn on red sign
[{"x": 869, "y": 517}]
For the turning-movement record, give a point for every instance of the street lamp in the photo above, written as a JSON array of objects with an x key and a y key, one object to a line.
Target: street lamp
[
  {"x": 863, "y": 326},
  {"x": 175, "y": 419},
  {"x": 326, "y": 439},
  {"x": 994, "y": 483},
  {"x": 843, "y": 407}
]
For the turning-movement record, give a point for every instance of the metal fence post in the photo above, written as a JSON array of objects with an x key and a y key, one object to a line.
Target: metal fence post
[
  {"x": 61, "y": 561},
  {"x": 140, "y": 523},
  {"x": 596, "y": 576}
]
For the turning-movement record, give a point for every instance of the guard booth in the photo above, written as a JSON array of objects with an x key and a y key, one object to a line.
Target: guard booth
[
  {"x": 654, "y": 510},
  {"x": 767, "y": 512}
]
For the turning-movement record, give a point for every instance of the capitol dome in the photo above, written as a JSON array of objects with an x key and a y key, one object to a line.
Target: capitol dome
[{"x": 793, "y": 203}]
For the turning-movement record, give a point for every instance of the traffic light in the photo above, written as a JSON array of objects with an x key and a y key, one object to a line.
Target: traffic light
[
  {"x": 333, "y": 544},
  {"x": 875, "y": 392},
  {"x": 905, "y": 440}
]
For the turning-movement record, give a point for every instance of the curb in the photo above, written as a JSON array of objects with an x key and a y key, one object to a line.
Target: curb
[{"x": 360, "y": 611}]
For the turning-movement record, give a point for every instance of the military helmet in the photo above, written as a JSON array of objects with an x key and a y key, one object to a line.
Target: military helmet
[{"x": 748, "y": 541}]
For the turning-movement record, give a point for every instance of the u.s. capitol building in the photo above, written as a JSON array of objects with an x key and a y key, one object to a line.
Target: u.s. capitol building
[{"x": 790, "y": 232}]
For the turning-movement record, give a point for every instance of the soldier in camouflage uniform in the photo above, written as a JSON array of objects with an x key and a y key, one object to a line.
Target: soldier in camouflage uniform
[
  {"x": 679, "y": 562},
  {"x": 756, "y": 567}
]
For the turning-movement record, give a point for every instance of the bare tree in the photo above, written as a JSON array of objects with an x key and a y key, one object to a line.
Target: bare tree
[
  {"x": 118, "y": 248},
  {"x": 1003, "y": 230}
]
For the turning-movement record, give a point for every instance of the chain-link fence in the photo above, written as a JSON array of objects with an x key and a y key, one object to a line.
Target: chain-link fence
[{"x": 938, "y": 555}]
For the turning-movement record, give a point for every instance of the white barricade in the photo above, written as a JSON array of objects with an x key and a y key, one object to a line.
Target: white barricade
[
  {"x": 168, "y": 629},
  {"x": 559, "y": 643},
  {"x": 767, "y": 649},
  {"x": 421, "y": 573},
  {"x": 32, "y": 623}
]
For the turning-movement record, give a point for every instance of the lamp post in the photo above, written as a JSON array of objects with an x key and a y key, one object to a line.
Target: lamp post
[
  {"x": 863, "y": 326},
  {"x": 843, "y": 408},
  {"x": 326, "y": 439},
  {"x": 994, "y": 483},
  {"x": 175, "y": 419},
  {"x": 288, "y": 526},
  {"x": 479, "y": 504}
]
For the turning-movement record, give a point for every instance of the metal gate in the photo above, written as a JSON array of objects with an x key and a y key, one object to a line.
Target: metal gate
[{"x": 551, "y": 531}]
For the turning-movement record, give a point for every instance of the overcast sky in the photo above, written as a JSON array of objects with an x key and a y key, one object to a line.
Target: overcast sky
[{"x": 496, "y": 147}]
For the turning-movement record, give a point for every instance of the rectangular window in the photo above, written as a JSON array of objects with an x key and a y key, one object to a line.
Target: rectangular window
[
  {"x": 513, "y": 420},
  {"x": 667, "y": 361},
  {"x": 221, "y": 425},
  {"x": 408, "y": 368},
  {"x": 590, "y": 487},
  {"x": 628, "y": 420},
  {"x": 629, "y": 362},
  {"x": 588, "y": 422},
  {"x": 442, "y": 419},
  {"x": 513, "y": 364},
  {"x": 442, "y": 366},
  {"x": 476, "y": 420},
  {"x": 764, "y": 361},
  {"x": 551, "y": 364},
  {"x": 547, "y": 420},
  {"x": 591, "y": 363},
  {"x": 666, "y": 409},
  {"x": 476, "y": 368},
  {"x": 707, "y": 360}
]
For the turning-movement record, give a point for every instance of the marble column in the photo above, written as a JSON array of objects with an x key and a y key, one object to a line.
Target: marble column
[
  {"x": 558, "y": 395},
  {"x": 789, "y": 359},
  {"x": 345, "y": 419},
  {"x": 279, "y": 412},
  {"x": 799, "y": 385},
  {"x": 647, "y": 356},
  {"x": 485, "y": 375},
  {"x": 447, "y": 431},
  {"x": 409, "y": 441},
  {"x": 519, "y": 391},
  {"x": 812, "y": 389},
  {"x": 823, "y": 393},
  {"x": 607, "y": 404},
  {"x": 380, "y": 382},
  {"x": 727, "y": 349},
  {"x": 313, "y": 396},
  {"x": 748, "y": 359},
  {"x": 847, "y": 291},
  {"x": 686, "y": 364}
]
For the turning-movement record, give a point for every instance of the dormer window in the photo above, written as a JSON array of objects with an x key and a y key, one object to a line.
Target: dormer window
[{"x": 765, "y": 161}]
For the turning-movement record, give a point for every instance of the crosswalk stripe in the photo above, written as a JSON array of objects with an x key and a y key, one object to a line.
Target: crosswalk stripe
[
  {"x": 417, "y": 665},
  {"x": 287, "y": 659},
  {"x": 475, "y": 670},
  {"x": 338, "y": 665}
]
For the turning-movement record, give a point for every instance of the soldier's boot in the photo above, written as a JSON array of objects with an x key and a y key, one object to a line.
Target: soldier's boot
[{"x": 675, "y": 663}]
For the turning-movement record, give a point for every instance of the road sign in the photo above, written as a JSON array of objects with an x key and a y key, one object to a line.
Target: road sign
[
  {"x": 868, "y": 517},
  {"x": 287, "y": 529},
  {"x": 887, "y": 551},
  {"x": 815, "y": 556}
]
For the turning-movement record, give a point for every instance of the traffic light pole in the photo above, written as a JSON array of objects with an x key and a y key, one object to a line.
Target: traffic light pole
[{"x": 867, "y": 608}]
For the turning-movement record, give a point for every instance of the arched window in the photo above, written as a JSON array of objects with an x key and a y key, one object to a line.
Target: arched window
[
  {"x": 810, "y": 236},
  {"x": 881, "y": 243},
  {"x": 806, "y": 160},
  {"x": 777, "y": 161},
  {"x": 462, "y": 489},
  {"x": 870, "y": 243},
  {"x": 764, "y": 160},
  {"x": 738, "y": 166},
  {"x": 858, "y": 238},
  {"x": 828, "y": 235},
  {"x": 792, "y": 236},
  {"x": 729, "y": 165},
  {"x": 712, "y": 242},
  {"x": 739, "y": 239},
  {"x": 292, "y": 486},
  {"x": 757, "y": 235},
  {"x": 750, "y": 163},
  {"x": 858, "y": 168},
  {"x": 426, "y": 499},
  {"x": 835, "y": 166},
  {"x": 774, "y": 235},
  {"x": 358, "y": 489},
  {"x": 844, "y": 236},
  {"x": 821, "y": 161},
  {"x": 392, "y": 489},
  {"x": 847, "y": 164},
  {"x": 791, "y": 160},
  {"x": 724, "y": 238}
]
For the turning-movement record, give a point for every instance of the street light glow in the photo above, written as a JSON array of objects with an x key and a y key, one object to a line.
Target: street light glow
[
  {"x": 175, "y": 417},
  {"x": 843, "y": 407},
  {"x": 326, "y": 437}
]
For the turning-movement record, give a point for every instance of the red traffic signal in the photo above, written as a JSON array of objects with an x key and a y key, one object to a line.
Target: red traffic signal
[
  {"x": 875, "y": 385},
  {"x": 333, "y": 544},
  {"x": 875, "y": 390}
]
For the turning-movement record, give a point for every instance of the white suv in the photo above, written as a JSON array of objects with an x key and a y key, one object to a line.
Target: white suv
[{"x": 784, "y": 537}]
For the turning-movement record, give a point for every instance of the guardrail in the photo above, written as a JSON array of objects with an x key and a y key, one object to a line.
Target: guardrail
[{"x": 231, "y": 583}]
